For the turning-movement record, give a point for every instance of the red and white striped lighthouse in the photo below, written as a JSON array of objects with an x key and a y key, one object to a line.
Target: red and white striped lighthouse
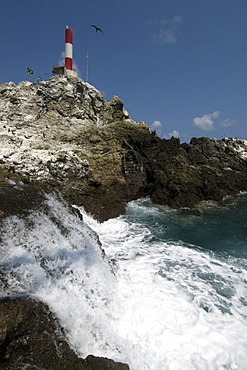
[
  {"x": 68, "y": 49},
  {"x": 67, "y": 68}
]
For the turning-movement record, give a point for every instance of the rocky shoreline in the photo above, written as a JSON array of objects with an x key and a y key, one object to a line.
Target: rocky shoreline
[
  {"x": 31, "y": 338},
  {"x": 62, "y": 135},
  {"x": 30, "y": 334}
]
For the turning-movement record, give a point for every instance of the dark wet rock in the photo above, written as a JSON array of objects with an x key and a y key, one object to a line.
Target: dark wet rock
[
  {"x": 31, "y": 338},
  {"x": 17, "y": 198},
  {"x": 61, "y": 135}
]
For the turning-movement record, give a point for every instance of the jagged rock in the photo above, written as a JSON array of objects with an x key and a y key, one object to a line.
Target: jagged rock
[
  {"x": 63, "y": 133},
  {"x": 31, "y": 338}
]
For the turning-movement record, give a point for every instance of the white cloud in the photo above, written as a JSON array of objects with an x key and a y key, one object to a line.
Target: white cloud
[
  {"x": 167, "y": 32},
  {"x": 76, "y": 68},
  {"x": 174, "y": 133},
  {"x": 228, "y": 123},
  {"x": 177, "y": 19},
  {"x": 61, "y": 60},
  {"x": 157, "y": 126},
  {"x": 206, "y": 122},
  {"x": 162, "y": 21},
  {"x": 163, "y": 37}
]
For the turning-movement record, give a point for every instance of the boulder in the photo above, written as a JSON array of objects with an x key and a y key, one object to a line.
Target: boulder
[
  {"x": 31, "y": 338},
  {"x": 63, "y": 134}
]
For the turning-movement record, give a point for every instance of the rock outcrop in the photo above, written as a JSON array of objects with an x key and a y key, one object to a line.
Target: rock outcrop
[
  {"x": 63, "y": 133},
  {"x": 30, "y": 335},
  {"x": 31, "y": 338}
]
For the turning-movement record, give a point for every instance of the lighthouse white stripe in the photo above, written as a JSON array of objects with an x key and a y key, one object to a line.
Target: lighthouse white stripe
[{"x": 68, "y": 50}]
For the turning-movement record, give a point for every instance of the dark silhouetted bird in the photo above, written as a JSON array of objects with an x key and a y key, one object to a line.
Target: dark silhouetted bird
[{"x": 97, "y": 28}]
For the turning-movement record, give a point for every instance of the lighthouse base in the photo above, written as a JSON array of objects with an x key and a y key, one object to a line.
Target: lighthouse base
[
  {"x": 62, "y": 71},
  {"x": 70, "y": 72}
]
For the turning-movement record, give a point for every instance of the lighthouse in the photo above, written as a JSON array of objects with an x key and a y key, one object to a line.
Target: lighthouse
[
  {"x": 67, "y": 68},
  {"x": 68, "y": 49}
]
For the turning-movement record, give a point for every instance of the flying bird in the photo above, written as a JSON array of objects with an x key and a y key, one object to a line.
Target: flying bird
[{"x": 97, "y": 28}]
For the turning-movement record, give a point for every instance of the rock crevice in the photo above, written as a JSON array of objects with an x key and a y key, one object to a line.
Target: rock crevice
[{"x": 64, "y": 134}]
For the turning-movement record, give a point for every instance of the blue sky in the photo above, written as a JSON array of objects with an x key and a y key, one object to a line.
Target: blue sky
[{"x": 178, "y": 65}]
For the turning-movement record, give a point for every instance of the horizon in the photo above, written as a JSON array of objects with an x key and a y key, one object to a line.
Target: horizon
[{"x": 179, "y": 67}]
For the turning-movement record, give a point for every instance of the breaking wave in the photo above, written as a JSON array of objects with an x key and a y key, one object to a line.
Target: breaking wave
[{"x": 157, "y": 289}]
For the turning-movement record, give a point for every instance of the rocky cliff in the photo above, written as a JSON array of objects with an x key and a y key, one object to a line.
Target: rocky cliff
[{"x": 62, "y": 133}]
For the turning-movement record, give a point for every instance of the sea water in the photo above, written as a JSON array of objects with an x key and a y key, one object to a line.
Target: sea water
[{"x": 169, "y": 292}]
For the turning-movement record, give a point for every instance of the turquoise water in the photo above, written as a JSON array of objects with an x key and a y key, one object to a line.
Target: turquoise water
[
  {"x": 170, "y": 293},
  {"x": 219, "y": 228},
  {"x": 183, "y": 279}
]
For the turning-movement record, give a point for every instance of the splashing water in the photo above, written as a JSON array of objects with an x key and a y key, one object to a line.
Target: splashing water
[{"x": 155, "y": 300}]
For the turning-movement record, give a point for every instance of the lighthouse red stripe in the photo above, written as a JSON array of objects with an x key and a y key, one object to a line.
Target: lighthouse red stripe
[
  {"x": 68, "y": 35},
  {"x": 68, "y": 63}
]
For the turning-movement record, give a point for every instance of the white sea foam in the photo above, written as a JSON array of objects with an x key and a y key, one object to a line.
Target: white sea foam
[
  {"x": 184, "y": 308},
  {"x": 165, "y": 305}
]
